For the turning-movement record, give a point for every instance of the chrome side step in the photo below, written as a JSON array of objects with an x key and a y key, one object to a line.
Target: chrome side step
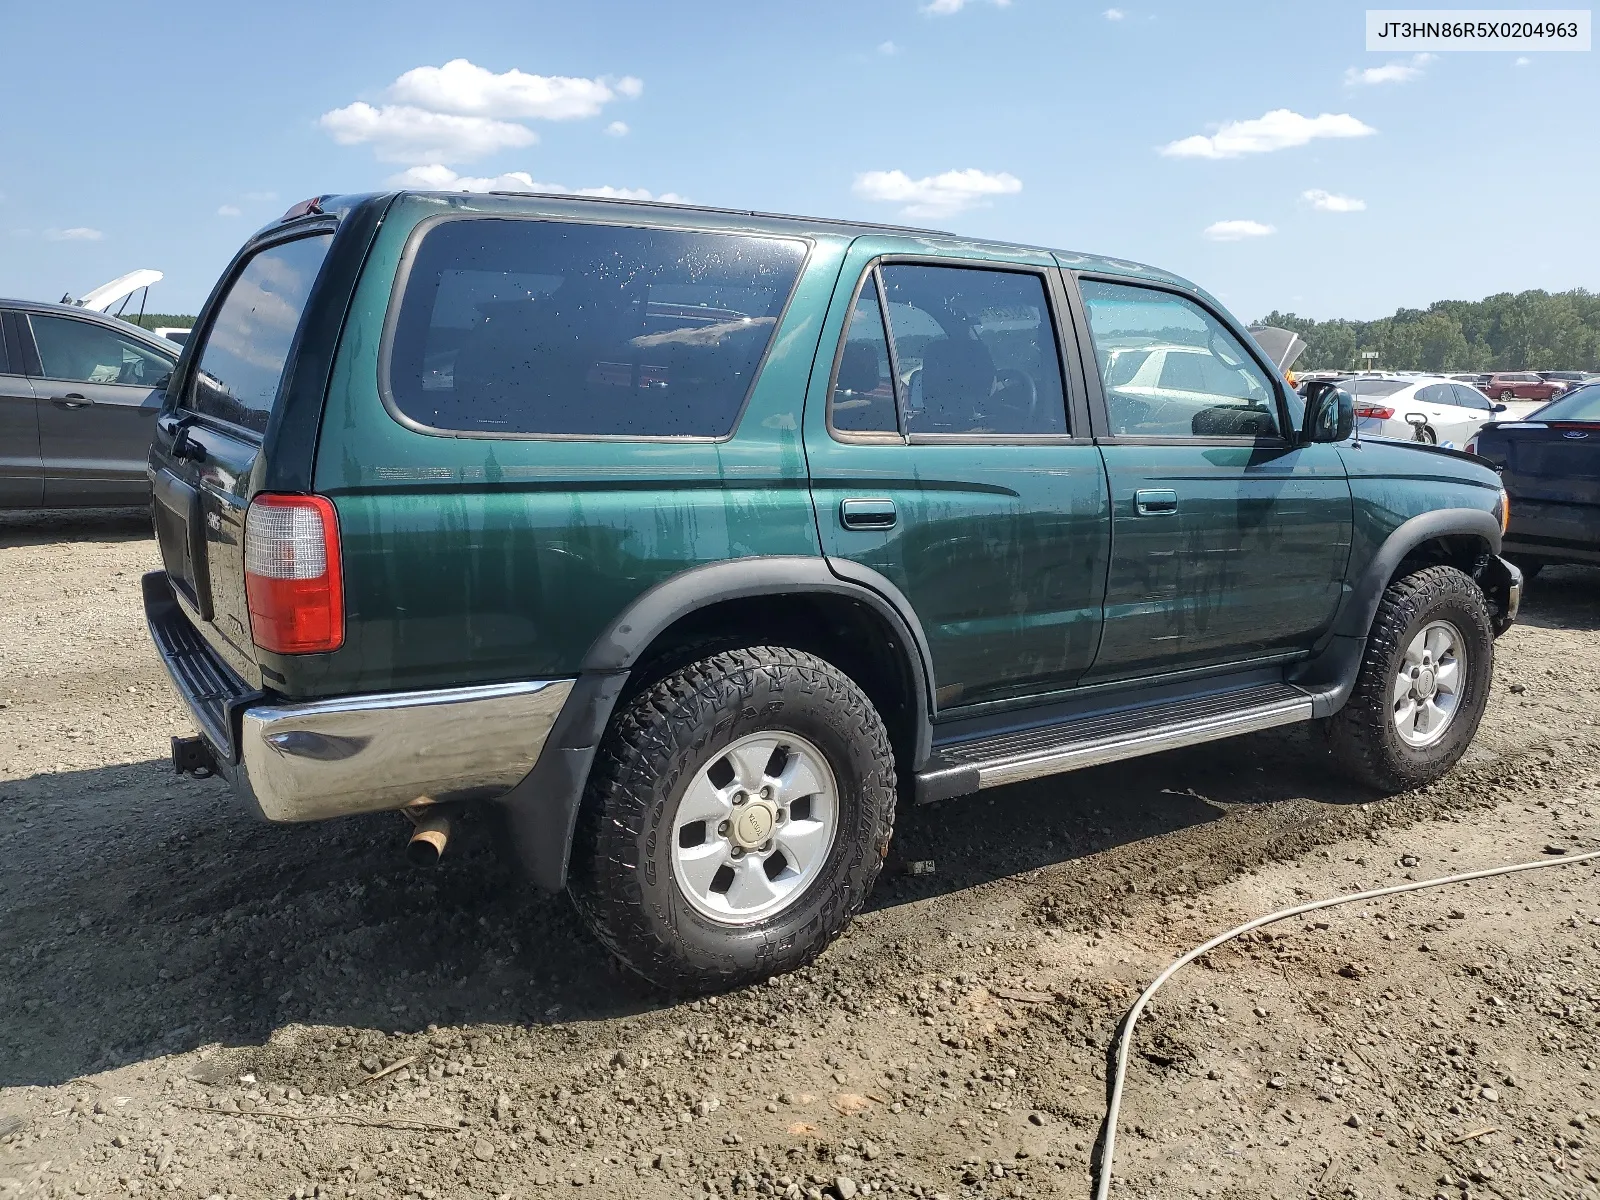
[{"x": 961, "y": 767}]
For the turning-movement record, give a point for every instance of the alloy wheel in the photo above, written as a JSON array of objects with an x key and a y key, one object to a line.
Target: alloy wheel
[{"x": 754, "y": 827}]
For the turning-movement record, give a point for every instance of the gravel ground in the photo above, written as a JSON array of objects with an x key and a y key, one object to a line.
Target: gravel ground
[{"x": 199, "y": 1005}]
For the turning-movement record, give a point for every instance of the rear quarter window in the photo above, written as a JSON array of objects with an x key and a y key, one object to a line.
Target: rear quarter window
[
  {"x": 531, "y": 327},
  {"x": 247, "y": 347}
]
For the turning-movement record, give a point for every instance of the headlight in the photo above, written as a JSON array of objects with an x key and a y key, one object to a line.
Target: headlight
[{"x": 1503, "y": 510}]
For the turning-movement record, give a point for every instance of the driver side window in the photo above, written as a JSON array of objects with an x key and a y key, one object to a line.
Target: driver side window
[{"x": 1171, "y": 370}]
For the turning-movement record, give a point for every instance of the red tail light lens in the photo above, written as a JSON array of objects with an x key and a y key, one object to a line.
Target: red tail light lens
[
  {"x": 292, "y": 575},
  {"x": 1374, "y": 410}
]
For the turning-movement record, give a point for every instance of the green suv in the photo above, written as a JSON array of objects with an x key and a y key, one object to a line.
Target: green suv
[{"x": 694, "y": 541}]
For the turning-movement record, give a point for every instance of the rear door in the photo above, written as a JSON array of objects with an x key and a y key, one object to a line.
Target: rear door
[
  {"x": 98, "y": 395},
  {"x": 21, "y": 470},
  {"x": 948, "y": 454},
  {"x": 212, "y": 434}
]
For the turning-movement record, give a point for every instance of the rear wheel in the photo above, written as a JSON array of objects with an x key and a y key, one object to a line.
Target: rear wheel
[
  {"x": 735, "y": 820},
  {"x": 1508, "y": 394},
  {"x": 1423, "y": 684}
]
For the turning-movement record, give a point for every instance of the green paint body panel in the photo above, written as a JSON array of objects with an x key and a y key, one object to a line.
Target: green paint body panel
[
  {"x": 1391, "y": 482},
  {"x": 1251, "y": 563},
  {"x": 474, "y": 560}
]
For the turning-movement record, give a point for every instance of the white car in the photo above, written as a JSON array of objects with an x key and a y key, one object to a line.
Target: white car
[{"x": 1428, "y": 408}]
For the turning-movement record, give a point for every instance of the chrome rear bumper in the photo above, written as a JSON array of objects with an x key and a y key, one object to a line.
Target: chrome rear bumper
[
  {"x": 304, "y": 762},
  {"x": 328, "y": 758}
]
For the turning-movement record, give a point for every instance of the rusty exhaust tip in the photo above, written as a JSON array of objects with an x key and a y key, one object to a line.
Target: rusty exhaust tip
[{"x": 427, "y": 844}]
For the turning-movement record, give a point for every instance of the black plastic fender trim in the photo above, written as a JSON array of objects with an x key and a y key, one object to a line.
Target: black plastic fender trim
[
  {"x": 542, "y": 809},
  {"x": 1361, "y": 606}
]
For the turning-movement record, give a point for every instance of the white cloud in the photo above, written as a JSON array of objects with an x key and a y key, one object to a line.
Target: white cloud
[
  {"x": 468, "y": 90},
  {"x": 1276, "y": 130},
  {"x": 461, "y": 111},
  {"x": 1395, "y": 72},
  {"x": 1332, "y": 202},
  {"x": 1113, "y": 14},
  {"x": 439, "y": 178},
  {"x": 936, "y": 195},
  {"x": 1237, "y": 231},
  {"x": 1522, "y": 61},
  {"x": 889, "y": 49},
  {"x": 400, "y": 133},
  {"x": 944, "y": 8},
  {"x": 617, "y": 129},
  {"x": 78, "y": 233},
  {"x": 229, "y": 210}
]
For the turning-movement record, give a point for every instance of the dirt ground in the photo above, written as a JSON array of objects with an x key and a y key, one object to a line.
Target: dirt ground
[{"x": 195, "y": 1004}]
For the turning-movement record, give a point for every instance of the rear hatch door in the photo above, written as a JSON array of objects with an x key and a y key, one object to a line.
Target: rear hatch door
[{"x": 212, "y": 443}]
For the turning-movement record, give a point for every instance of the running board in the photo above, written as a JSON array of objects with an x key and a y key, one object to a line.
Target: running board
[{"x": 958, "y": 768}]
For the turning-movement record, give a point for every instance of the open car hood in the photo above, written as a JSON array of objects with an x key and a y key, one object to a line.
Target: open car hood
[{"x": 107, "y": 294}]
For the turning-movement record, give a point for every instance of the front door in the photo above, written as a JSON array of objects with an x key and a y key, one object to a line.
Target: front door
[
  {"x": 99, "y": 394},
  {"x": 21, "y": 471},
  {"x": 1230, "y": 539},
  {"x": 943, "y": 455}
]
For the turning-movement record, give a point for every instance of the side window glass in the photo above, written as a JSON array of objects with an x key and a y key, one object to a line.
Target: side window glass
[
  {"x": 975, "y": 351},
  {"x": 862, "y": 400},
  {"x": 1435, "y": 393},
  {"x": 1470, "y": 397},
  {"x": 247, "y": 347},
  {"x": 88, "y": 353},
  {"x": 1171, "y": 369}
]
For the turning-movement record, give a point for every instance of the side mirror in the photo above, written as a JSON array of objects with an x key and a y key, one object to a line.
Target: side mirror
[
  {"x": 1497, "y": 408},
  {"x": 1330, "y": 413}
]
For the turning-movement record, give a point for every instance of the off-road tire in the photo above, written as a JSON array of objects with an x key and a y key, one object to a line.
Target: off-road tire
[
  {"x": 1365, "y": 743},
  {"x": 621, "y": 877}
]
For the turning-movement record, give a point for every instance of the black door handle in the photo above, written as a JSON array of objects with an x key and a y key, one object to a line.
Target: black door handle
[
  {"x": 72, "y": 400},
  {"x": 860, "y": 513}
]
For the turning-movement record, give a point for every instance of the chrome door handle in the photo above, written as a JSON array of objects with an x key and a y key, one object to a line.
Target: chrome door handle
[
  {"x": 1155, "y": 502},
  {"x": 860, "y": 513},
  {"x": 72, "y": 400}
]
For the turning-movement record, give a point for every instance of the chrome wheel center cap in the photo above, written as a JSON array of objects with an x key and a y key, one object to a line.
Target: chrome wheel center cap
[
  {"x": 1426, "y": 684},
  {"x": 752, "y": 828}
]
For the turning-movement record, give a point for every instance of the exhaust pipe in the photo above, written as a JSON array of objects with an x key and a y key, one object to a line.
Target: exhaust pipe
[{"x": 432, "y": 834}]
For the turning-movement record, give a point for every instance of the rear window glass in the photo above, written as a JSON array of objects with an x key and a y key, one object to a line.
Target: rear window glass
[
  {"x": 1580, "y": 405},
  {"x": 247, "y": 347},
  {"x": 550, "y": 327},
  {"x": 1374, "y": 387}
]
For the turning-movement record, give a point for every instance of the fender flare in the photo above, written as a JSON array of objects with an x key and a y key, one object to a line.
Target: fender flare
[
  {"x": 1330, "y": 677},
  {"x": 542, "y": 809},
  {"x": 1356, "y": 617}
]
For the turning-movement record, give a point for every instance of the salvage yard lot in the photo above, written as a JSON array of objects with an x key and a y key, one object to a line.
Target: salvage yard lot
[{"x": 195, "y": 1003}]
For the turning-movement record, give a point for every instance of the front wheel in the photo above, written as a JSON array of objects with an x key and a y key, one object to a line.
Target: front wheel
[
  {"x": 736, "y": 818},
  {"x": 1423, "y": 684}
]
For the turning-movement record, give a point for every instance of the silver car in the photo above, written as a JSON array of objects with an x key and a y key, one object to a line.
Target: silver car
[{"x": 79, "y": 394}]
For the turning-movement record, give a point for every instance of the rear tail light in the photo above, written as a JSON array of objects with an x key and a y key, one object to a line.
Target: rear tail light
[
  {"x": 1472, "y": 448},
  {"x": 1376, "y": 411},
  {"x": 292, "y": 576}
]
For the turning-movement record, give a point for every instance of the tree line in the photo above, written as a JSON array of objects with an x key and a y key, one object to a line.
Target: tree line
[
  {"x": 1537, "y": 330},
  {"x": 159, "y": 320}
]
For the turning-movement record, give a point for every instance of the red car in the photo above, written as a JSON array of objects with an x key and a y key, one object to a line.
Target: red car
[{"x": 1521, "y": 385}]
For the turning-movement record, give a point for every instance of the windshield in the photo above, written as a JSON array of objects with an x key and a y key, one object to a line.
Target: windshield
[
  {"x": 1580, "y": 405},
  {"x": 1375, "y": 387}
]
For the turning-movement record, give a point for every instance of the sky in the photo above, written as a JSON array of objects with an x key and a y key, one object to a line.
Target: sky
[{"x": 1257, "y": 149}]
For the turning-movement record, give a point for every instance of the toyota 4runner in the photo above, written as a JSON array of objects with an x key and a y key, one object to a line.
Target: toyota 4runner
[{"x": 696, "y": 540}]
